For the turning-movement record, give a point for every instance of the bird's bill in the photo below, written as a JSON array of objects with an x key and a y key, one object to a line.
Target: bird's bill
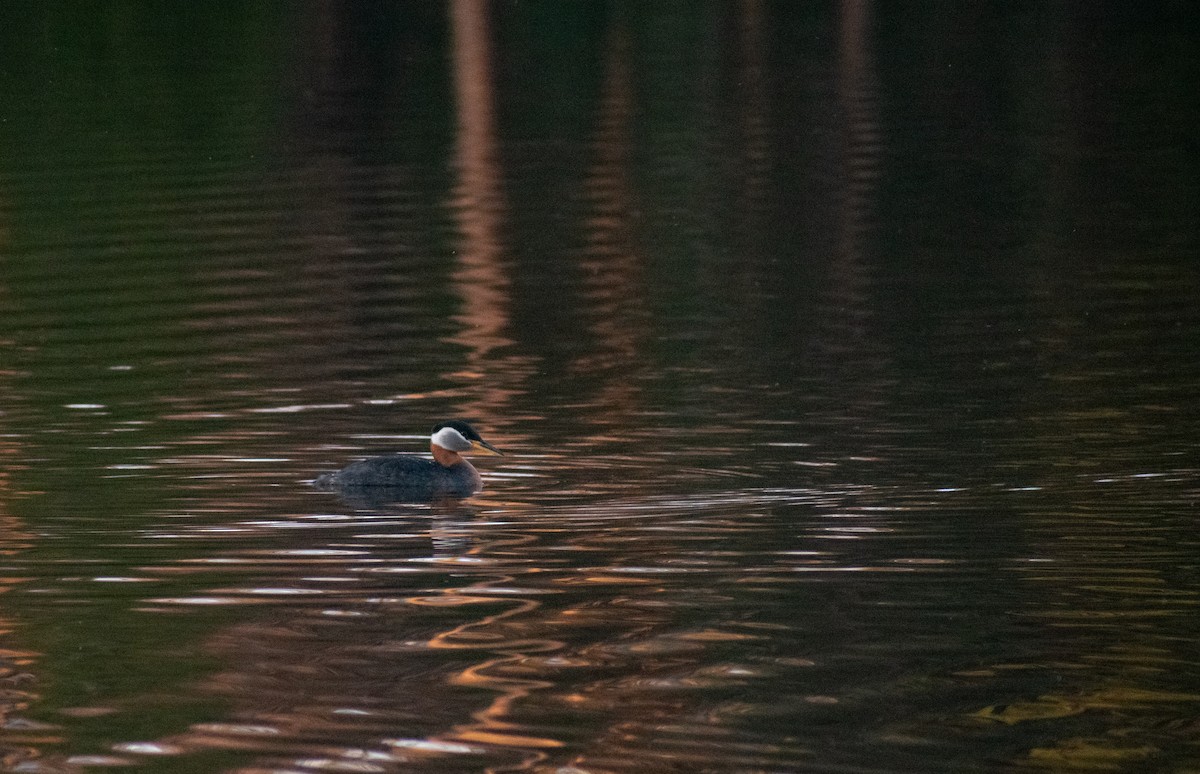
[{"x": 486, "y": 448}]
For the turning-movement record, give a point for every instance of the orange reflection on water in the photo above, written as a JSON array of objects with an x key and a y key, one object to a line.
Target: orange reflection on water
[
  {"x": 489, "y": 725},
  {"x": 481, "y": 270},
  {"x": 612, "y": 267},
  {"x": 479, "y": 275}
]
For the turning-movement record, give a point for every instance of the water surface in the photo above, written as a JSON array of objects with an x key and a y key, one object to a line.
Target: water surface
[{"x": 843, "y": 358}]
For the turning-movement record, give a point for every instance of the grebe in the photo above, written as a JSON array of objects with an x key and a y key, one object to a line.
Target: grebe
[{"x": 448, "y": 473}]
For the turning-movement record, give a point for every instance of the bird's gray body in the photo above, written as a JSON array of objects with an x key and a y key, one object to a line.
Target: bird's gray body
[{"x": 413, "y": 475}]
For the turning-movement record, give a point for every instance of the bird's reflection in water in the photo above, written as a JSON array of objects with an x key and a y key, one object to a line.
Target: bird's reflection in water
[{"x": 447, "y": 514}]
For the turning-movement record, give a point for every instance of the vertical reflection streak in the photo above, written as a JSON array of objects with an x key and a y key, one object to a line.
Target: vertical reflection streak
[
  {"x": 847, "y": 333},
  {"x": 847, "y": 325},
  {"x": 857, "y": 92},
  {"x": 479, "y": 276},
  {"x": 485, "y": 289},
  {"x": 612, "y": 268},
  {"x": 754, "y": 116}
]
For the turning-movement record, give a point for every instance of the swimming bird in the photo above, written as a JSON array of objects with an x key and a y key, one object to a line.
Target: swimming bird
[{"x": 448, "y": 473}]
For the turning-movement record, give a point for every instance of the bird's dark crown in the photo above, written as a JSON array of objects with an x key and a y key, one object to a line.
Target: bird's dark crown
[{"x": 463, "y": 428}]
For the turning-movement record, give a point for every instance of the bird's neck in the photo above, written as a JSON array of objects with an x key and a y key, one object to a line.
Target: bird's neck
[{"x": 445, "y": 457}]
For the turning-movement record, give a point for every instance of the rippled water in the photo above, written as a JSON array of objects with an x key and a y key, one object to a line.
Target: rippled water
[{"x": 844, "y": 360}]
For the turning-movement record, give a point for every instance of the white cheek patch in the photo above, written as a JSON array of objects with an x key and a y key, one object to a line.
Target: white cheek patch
[{"x": 449, "y": 438}]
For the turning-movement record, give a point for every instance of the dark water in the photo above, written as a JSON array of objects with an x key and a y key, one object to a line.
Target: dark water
[{"x": 845, "y": 358}]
